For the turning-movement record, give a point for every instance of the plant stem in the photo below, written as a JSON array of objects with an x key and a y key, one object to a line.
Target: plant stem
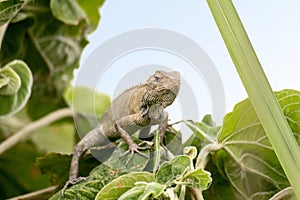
[
  {"x": 27, "y": 130},
  {"x": 196, "y": 193},
  {"x": 257, "y": 86},
  {"x": 41, "y": 52},
  {"x": 38, "y": 195}
]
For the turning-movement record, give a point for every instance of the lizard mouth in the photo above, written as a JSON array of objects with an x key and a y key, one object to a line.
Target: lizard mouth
[{"x": 175, "y": 77}]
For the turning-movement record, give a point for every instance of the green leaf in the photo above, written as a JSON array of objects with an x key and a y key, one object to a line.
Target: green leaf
[
  {"x": 67, "y": 11},
  {"x": 171, "y": 170},
  {"x": 120, "y": 185},
  {"x": 92, "y": 12},
  {"x": 247, "y": 158},
  {"x": 72, "y": 12},
  {"x": 133, "y": 193},
  {"x": 153, "y": 189},
  {"x": 198, "y": 178},
  {"x": 84, "y": 123},
  {"x": 8, "y": 10},
  {"x": 2, "y": 32},
  {"x": 86, "y": 190},
  {"x": 143, "y": 191},
  {"x": 208, "y": 120},
  {"x": 53, "y": 53},
  {"x": 51, "y": 48},
  {"x": 12, "y": 124},
  {"x": 136, "y": 163},
  {"x": 86, "y": 101},
  {"x": 204, "y": 132},
  {"x": 258, "y": 88},
  {"x": 173, "y": 141},
  {"x": 57, "y": 138},
  {"x": 15, "y": 90},
  {"x": 14, "y": 44},
  {"x": 10, "y": 81},
  {"x": 56, "y": 166},
  {"x": 220, "y": 189},
  {"x": 18, "y": 173}
]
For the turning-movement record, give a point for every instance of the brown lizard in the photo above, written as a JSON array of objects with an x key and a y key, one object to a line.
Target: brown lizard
[{"x": 136, "y": 107}]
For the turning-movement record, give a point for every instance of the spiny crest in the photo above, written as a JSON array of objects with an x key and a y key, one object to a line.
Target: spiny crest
[{"x": 131, "y": 88}]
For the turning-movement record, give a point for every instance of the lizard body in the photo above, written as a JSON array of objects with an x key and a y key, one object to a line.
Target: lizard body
[{"x": 137, "y": 107}]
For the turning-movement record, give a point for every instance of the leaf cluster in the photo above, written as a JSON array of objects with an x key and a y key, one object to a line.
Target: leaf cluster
[
  {"x": 40, "y": 47},
  {"x": 233, "y": 161},
  {"x": 41, "y": 42}
]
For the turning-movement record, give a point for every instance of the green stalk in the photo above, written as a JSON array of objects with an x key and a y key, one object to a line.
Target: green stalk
[{"x": 258, "y": 89}]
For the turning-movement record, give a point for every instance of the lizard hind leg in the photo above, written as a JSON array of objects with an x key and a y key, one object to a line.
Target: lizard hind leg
[
  {"x": 90, "y": 139},
  {"x": 79, "y": 149}
]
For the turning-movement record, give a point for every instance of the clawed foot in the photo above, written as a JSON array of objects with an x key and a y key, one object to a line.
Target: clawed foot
[
  {"x": 71, "y": 182},
  {"x": 134, "y": 148}
]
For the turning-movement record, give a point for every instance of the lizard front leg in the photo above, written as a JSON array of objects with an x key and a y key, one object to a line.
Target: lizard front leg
[
  {"x": 130, "y": 121},
  {"x": 132, "y": 146},
  {"x": 163, "y": 125},
  {"x": 159, "y": 116}
]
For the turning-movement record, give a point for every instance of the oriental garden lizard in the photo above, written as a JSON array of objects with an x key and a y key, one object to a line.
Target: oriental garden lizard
[{"x": 140, "y": 106}]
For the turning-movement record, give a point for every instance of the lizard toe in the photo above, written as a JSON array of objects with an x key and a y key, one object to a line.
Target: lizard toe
[
  {"x": 134, "y": 149},
  {"x": 71, "y": 182}
]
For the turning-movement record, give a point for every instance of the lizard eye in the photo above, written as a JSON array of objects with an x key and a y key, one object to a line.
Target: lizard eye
[{"x": 157, "y": 78}]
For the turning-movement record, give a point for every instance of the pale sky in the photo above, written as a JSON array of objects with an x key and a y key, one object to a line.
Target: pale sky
[{"x": 273, "y": 28}]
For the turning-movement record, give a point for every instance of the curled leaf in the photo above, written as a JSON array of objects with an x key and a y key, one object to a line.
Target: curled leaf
[
  {"x": 10, "y": 81},
  {"x": 15, "y": 87},
  {"x": 190, "y": 151},
  {"x": 199, "y": 179}
]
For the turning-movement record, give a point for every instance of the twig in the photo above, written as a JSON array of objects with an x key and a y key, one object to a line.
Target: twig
[
  {"x": 37, "y": 195},
  {"x": 41, "y": 52},
  {"x": 27, "y": 130},
  {"x": 196, "y": 193}
]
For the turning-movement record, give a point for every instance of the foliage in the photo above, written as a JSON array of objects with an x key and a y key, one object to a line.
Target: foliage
[
  {"x": 246, "y": 158},
  {"x": 18, "y": 173},
  {"x": 49, "y": 36},
  {"x": 258, "y": 88},
  {"x": 172, "y": 177},
  {"x": 41, "y": 43},
  {"x": 241, "y": 160},
  {"x": 88, "y": 189}
]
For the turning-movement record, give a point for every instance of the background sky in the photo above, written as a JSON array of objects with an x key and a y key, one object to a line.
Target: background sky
[{"x": 273, "y": 28}]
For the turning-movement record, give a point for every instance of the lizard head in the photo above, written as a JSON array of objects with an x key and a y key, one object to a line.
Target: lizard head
[{"x": 162, "y": 88}]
